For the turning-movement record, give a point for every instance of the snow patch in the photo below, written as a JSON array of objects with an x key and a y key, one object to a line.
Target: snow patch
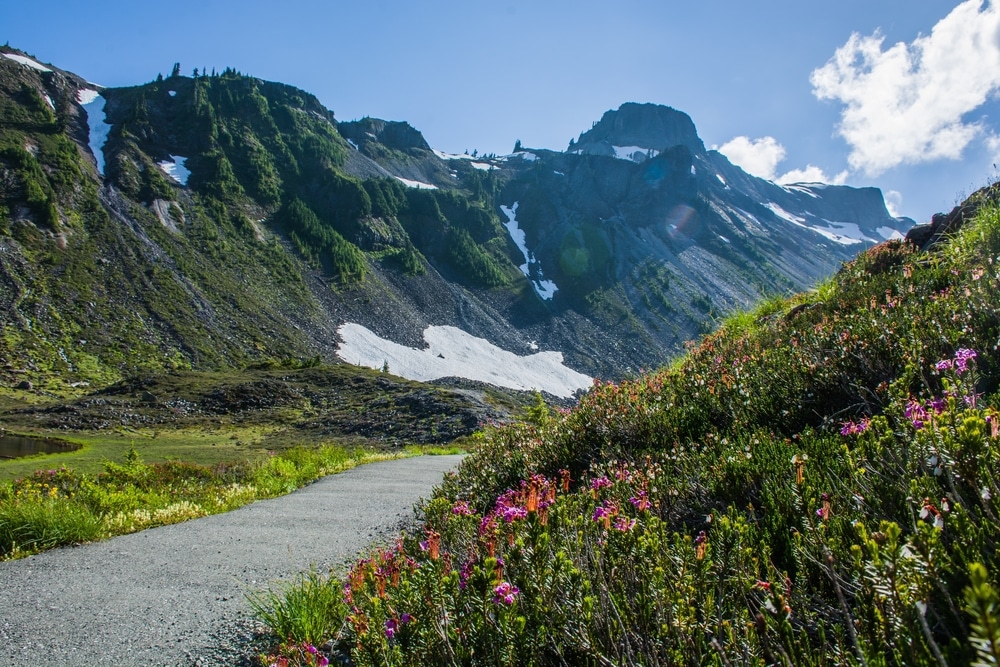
[
  {"x": 785, "y": 215},
  {"x": 545, "y": 288},
  {"x": 721, "y": 179},
  {"x": 27, "y": 62},
  {"x": 844, "y": 233},
  {"x": 172, "y": 93},
  {"x": 51, "y": 103},
  {"x": 451, "y": 156},
  {"x": 451, "y": 352},
  {"x": 724, "y": 239},
  {"x": 482, "y": 166},
  {"x": 93, "y": 104},
  {"x": 354, "y": 145},
  {"x": 85, "y": 96},
  {"x": 629, "y": 152},
  {"x": 175, "y": 169},
  {"x": 800, "y": 188},
  {"x": 889, "y": 234},
  {"x": 525, "y": 155},
  {"x": 415, "y": 184}
]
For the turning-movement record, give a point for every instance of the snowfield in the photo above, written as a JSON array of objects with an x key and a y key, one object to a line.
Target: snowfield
[
  {"x": 85, "y": 96},
  {"x": 415, "y": 184},
  {"x": 889, "y": 234},
  {"x": 27, "y": 62},
  {"x": 545, "y": 288},
  {"x": 844, "y": 233},
  {"x": 175, "y": 169},
  {"x": 451, "y": 156},
  {"x": 451, "y": 352},
  {"x": 93, "y": 103},
  {"x": 628, "y": 152}
]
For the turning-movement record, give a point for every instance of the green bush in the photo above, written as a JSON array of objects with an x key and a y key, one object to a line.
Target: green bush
[{"x": 814, "y": 484}]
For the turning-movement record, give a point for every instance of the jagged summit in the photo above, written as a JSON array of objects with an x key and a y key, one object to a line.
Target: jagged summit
[{"x": 643, "y": 129}]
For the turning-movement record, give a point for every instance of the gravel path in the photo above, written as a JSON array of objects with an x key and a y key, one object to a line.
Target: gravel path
[{"x": 175, "y": 595}]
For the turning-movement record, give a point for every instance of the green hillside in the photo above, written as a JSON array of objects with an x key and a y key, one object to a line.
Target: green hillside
[
  {"x": 145, "y": 273},
  {"x": 813, "y": 484}
]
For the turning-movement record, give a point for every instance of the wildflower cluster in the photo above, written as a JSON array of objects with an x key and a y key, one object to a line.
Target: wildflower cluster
[{"x": 710, "y": 513}]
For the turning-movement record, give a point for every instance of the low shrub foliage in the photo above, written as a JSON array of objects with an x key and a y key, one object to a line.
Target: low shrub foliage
[{"x": 814, "y": 484}]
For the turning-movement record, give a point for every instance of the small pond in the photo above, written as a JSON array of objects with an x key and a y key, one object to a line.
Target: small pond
[{"x": 16, "y": 446}]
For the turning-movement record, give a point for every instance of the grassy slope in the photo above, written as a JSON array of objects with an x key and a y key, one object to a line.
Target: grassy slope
[{"x": 715, "y": 513}]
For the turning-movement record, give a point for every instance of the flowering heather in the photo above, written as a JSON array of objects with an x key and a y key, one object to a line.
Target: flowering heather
[
  {"x": 462, "y": 508},
  {"x": 726, "y": 520},
  {"x": 505, "y": 593},
  {"x": 852, "y": 428}
]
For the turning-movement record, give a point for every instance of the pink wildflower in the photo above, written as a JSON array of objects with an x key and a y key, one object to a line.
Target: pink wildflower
[
  {"x": 461, "y": 508},
  {"x": 600, "y": 483},
  {"x": 505, "y": 593}
]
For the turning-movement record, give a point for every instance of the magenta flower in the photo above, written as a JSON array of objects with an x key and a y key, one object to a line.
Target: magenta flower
[
  {"x": 916, "y": 413},
  {"x": 464, "y": 573},
  {"x": 505, "y": 593},
  {"x": 601, "y": 512},
  {"x": 391, "y": 626},
  {"x": 462, "y": 508},
  {"x": 962, "y": 357},
  {"x": 640, "y": 500},
  {"x": 944, "y": 364},
  {"x": 850, "y": 428},
  {"x": 623, "y": 524},
  {"x": 512, "y": 513},
  {"x": 600, "y": 483}
]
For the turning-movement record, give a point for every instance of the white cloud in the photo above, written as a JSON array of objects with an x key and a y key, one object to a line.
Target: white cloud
[
  {"x": 893, "y": 203},
  {"x": 993, "y": 146},
  {"x": 908, "y": 103},
  {"x": 759, "y": 157},
  {"x": 811, "y": 174}
]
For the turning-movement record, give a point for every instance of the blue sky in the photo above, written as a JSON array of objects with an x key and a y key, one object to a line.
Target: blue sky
[{"x": 911, "y": 108}]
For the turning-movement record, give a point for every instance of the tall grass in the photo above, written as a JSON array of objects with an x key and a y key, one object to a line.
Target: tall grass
[
  {"x": 59, "y": 507},
  {"x": 307, "y": 610},
  {"x": 27, "y": 527}
]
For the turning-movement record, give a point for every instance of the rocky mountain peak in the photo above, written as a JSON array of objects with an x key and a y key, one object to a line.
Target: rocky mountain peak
[
  {"x": 398, "y": 135},
  {"x": 634, "y": 130}
]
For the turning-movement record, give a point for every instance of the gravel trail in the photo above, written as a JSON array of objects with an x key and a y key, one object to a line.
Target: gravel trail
[{"x": 175, "y": 595}]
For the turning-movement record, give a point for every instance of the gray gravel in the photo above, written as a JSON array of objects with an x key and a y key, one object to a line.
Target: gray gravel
[{"x": 176, "y": 595}]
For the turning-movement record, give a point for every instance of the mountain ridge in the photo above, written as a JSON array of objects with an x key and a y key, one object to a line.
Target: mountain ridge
[{"x": 289, "y": 223}]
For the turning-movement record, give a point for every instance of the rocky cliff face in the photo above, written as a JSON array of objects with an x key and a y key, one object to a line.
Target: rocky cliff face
[
  {"x": 223, "y": 220},
  {"x": 639, "y": 130}
]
